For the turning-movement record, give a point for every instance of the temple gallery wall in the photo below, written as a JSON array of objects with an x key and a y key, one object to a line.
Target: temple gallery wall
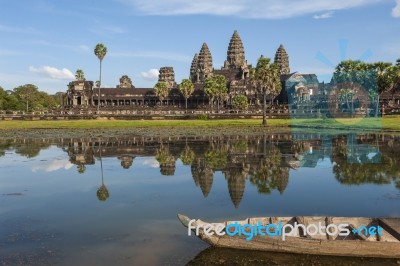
[{"x": 300, "y": 92}]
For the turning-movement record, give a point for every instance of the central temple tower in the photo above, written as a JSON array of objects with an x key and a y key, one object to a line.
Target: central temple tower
[{"x": 235, "y": 54}]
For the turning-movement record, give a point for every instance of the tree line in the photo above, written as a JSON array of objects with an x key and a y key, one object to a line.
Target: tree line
[
  {"x": 28, "y": 98},
  {"x": 352, "y": 76}
]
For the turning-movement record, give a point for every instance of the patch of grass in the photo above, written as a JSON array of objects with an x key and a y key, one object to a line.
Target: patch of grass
[
  {"x": 386, "y": 123},
  {"x": 202, "y": 117},
  {"x": 371, "y": 123},
  {"x": 79, "y": 124}
]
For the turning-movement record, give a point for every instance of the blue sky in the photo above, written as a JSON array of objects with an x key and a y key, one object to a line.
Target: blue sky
[{"x": 43, "y": 42}]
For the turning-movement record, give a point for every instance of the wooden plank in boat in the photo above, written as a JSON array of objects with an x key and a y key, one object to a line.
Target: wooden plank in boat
[{"x": 392, "y": 226}]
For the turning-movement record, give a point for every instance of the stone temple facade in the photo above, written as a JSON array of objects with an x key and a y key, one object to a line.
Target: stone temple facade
[{"x": 235, "y": 69}]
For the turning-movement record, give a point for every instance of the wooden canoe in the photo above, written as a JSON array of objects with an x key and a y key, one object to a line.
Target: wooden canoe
[{"x": 385, "y": 245}]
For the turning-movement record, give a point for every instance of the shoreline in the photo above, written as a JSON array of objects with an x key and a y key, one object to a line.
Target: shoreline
[{"x": 192, "y": 128}]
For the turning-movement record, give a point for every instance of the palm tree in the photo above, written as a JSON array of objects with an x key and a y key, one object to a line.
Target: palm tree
[
  {"x": 266, "y": 79},
  {"x": 100, "y": 51},
  {"x": 215, "y": 87},
  {"x": 80, "y": 75},
  {"x": 81, "y": 168},
  {"x": 161, "y": 90},
  {"x": 345, "y": 94},
  {"x": 186, "y": 87},
  {"x": 187, "y": 156}
]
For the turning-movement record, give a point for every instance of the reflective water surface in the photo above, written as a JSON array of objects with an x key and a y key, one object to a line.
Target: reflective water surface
[{"x": 114, "y": 200}]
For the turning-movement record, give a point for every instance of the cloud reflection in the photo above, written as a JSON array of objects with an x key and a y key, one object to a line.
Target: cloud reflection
[
  {"x": 151, "y": 162},
  {"x": 53, "y": 166}
]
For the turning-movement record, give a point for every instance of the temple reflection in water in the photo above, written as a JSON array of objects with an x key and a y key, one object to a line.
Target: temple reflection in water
[{"x": 264, "y": 161}]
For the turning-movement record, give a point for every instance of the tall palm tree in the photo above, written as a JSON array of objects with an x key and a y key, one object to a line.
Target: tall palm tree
[
  {"x": 186, "y": 87},
  {"x": 100, "y": 51},
  {"x": 267, "y": 81}
]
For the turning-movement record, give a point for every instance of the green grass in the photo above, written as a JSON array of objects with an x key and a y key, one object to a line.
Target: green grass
[
  {"x": 371, "y": 123},
  {"x": 71, "y": 124},
  {"x": 388, "y": 123}
]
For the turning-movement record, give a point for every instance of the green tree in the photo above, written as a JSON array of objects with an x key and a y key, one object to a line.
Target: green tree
[
  {"x": 266, "y": 79},
  {"x": 374, "y": 78},
  {"x": 59, "y": 98},
  {"x": 28, "y": 94},
  {"x": 80, "y": 75},
  {"x": 102, "y": 193},
  {"x": 161, "y": 90},
  {"x": 215, "y": 88},
  {"x": 217, "y": 158},
  {"x": 186, "y": 87},
  {"x": 3, "y": 99},
  {"x": 384, "y": 79},
  {"x": 45, "y": 101},
  {"x": 166, "y": 160},
  {"x": 30, "y": 151},
  {"x": 187, "y": 156},
  {"x": 346, "y": 94},
  {"x": 81, "y": 168},
  {"x": 100, "y": 51},
  {"x": 270, "y": 173},
  {"x": 240, "y": 102},
  {"x": 11, "y": 102},
  {"x": 391, "y": 78}
]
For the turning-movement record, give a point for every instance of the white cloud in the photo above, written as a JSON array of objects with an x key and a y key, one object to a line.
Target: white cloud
[
  {"x": 151, "y": 74},
  {"x": 324, "y": 15},
  {"x": 262, "y": 9},
  {"x": 152, "y": 162},
  {"x": 53, "y": 166},
  {"x": 53, "y": 72},
  {"x": 396, "y": 10}
]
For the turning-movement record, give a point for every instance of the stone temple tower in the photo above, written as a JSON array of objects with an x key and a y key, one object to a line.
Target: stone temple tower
[
  {"x": 235, "y": 54},
  {"x": 167, "y": 75},
  {"x": 282, "y": 60},
  {"x": 204, "y": 63},
  {"x": 193, "y": 69}
]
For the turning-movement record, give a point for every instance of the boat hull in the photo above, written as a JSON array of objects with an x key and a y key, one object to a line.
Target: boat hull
[{"x": 386, "y": 245}]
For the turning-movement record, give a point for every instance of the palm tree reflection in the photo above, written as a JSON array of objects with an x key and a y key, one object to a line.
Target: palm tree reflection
[{"x": 102, "y": 192}]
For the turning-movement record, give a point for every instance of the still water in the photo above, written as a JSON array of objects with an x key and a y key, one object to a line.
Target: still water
[{"x": 114, "y": 201}]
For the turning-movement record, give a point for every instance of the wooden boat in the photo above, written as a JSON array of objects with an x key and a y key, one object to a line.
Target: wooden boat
[
  {"x": 230, "y": 256},
  {"x": 385, "y": 245}
]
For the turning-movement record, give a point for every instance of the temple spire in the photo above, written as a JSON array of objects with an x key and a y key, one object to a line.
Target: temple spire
[
  {"x": 204, "y": 65},
  {"x": 167, "y": 75},
  {"x": 282, "y": 60},
  {"x": 193, "y": 68},
  {"x": 235, "y": 54}
]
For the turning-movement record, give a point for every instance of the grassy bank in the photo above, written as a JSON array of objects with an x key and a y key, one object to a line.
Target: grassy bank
[
  {"x": 73, "y": 124},
  {"x": 386, "y": 123}
]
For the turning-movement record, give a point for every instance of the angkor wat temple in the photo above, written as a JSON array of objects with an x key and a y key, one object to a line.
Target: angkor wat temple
[
  {"x": 235, "y": 69},
  {"x": 301, "y": 94}
]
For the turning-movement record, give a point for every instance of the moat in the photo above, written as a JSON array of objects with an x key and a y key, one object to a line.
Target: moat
[{"x": 109, "y": 200}]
